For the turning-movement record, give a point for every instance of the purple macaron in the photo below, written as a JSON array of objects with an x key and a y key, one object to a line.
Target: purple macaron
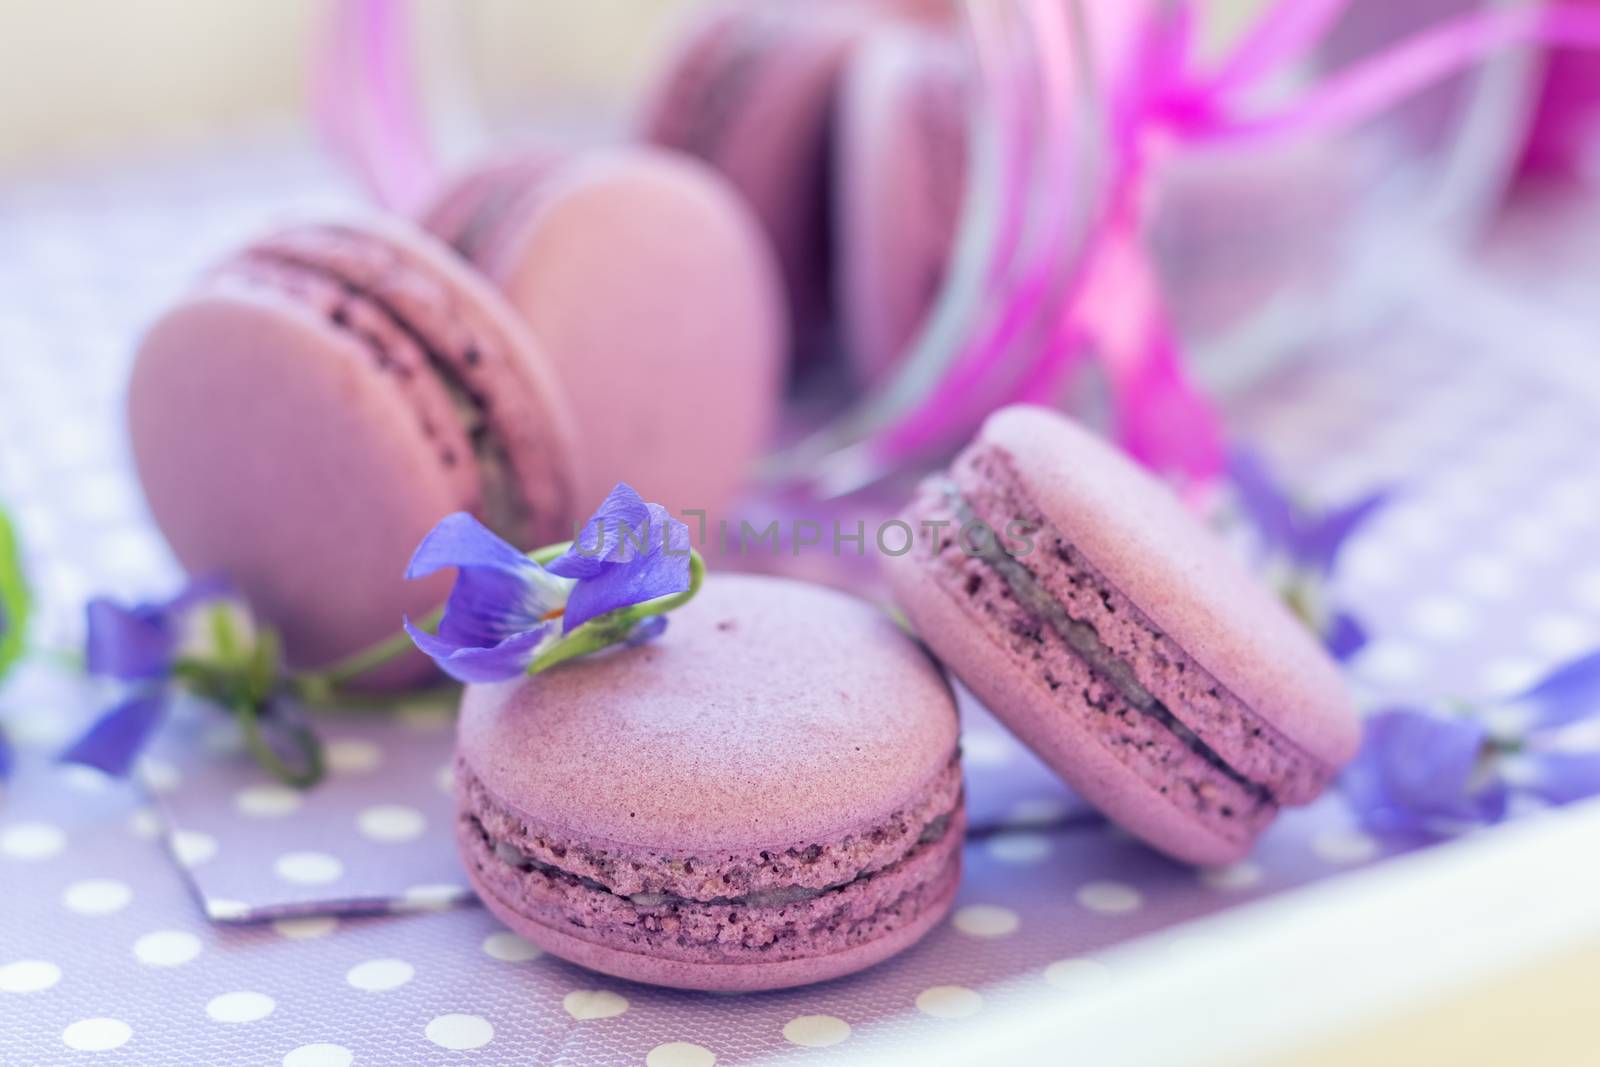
[
  {"x": 318, "y": 402},
  {"x": 766, "y": 796},
  {"x": 1118, "y": 638}
]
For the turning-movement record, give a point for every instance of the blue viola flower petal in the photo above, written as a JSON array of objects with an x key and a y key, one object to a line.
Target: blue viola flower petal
[
  {"x": 131, "y": 644},
  {"x": 647, "y": 629},
  {"x": 139, "y": 643},
  {"x": 116, "y": 738},
  {"x": 1345, "y": 636},
  {"x": 644, "y": 562},
  {"x": 1416, "y": 770},
  {"x": 497, "y": 662},
  {"x": 1264, "y": 504},
  {"x": 1318, "y": 542},
  {"x": 612, "y": 535},
  {"x": 498, "y": 593},
  {"x": 1566, "y": 695},
  {"x": 1563, "y": 777},
  {"x": 7, "y": 756}
]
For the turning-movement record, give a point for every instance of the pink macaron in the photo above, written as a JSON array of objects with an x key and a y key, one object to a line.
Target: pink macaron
[
  {"x": 899, "y": 176},
  {"x": 1119, "y": 639},
  {"x": 767, "y": 795},
  {"x": 651, "y": 291},
  {"x": 324, "y": 397},
  {"x": 749, "y": 88}
]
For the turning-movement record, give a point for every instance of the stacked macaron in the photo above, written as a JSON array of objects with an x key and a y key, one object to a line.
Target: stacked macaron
[
  {"x": 1117, "y": 637},
  {"x": 319, "y": 401},
  {"x": 843, "y": 124},
  {"x": 653, "y": 295},
  {"x": 767, "y": 795}
]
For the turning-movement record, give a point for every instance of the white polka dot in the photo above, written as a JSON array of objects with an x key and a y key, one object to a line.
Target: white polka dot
[
  {"x": 1109, "y": 898},
  {"x": 1037, "y": 811},
  {"x": 31, "y": 841},
  {"x": 159, "y": 776},
  {"x": 594, "y": 1004},
  {"x": 319, "y": 1055},
  {"x": 1415, "y": 527},
  {"x": 192, "y": 847},
  {"x": 431, "y": 897},
  {"x": 1487, "y": 577},
  {"x": 425, "y": 718},
  {"x": 145, "y": 823},
  {"x": 1018, "y": 847},
  {"x": 1235, "y": 876},
  {"x": 680, "y": 1054},
  {"x": 28, "y": 976},
  {"x": 1586, "y": 589},
  {"x": 224, "y": 910},
  {"x": 97, "y": 896},
  {"x": 508, "y": 947},
  {"x": 242, "y": 1007},
  {"x": 267, "y": 801},
  {"x": 815, "y": 1031},
  {"x": 1077, "y": 974},
  {"x": 380, "y": 976},
  {"x": 986, "y": 750},
  {"x": 1562, "y": 636},
  {"x": 83, "y": 778},
  {"x": 949, "y": 1002},
  {"x": 1530, "y": 538},
  {"x": 306, "y": 928},
  {"x": 1390, "y": 662},
  {"x": 308, "y": 868},
  {"x": 96, "y": 1035},
  {"x": 1509, "y": 674},
  {"x": 166, "y": 948},
  {"x": 352, "y": 755},
  {"x": 1439, "y": 618},
  {"x": 460, "y": 1032},
  {"x": 1344, "y": 846},
  {"x": 390, "y": 823},
  {"x": 985, "y": 920}
]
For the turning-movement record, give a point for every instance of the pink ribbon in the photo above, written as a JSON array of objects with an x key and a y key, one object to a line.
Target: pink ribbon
[{"x": 1109, "y": 304}]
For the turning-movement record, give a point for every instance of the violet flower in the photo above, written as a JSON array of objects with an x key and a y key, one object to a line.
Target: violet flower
[
  {"x": 1437, "y": 771},
  {"x": 1300, "y": 549},
  {"x": 205, "y": 642},
  {"x": 510, "y": 614}
]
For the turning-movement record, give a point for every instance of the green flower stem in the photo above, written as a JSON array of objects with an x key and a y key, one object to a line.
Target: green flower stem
[
  {"x": 614, "y": 626},
  {"x": 310, "y": 771},
  {"x": 321, "y": 687}
]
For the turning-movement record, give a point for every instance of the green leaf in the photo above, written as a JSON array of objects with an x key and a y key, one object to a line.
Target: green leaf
[{"x": 15, "y": 602}]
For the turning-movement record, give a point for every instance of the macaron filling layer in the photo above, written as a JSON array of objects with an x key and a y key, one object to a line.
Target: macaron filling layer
[
  {"x": 364, "y": 292},
  {"x": 763, "y": 904},
  {"x": 1160, "y": 712}
]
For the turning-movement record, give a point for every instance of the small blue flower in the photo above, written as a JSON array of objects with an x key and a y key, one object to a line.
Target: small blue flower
[
  {"x": 1301, "y": 548},
  {"x": 504, "y": 608},
  {"x": 143, "y": 646},
  {"x": 1428, "y": 771}
]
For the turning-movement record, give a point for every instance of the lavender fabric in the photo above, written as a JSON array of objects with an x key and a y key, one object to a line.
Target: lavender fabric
[{"x": 1474, "y": 583}]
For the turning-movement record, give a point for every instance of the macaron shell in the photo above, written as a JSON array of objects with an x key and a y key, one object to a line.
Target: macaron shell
[
  {"x": 899, "y": 171},
  {"x": 271, "y": 452},
  {"x": 770, "y": 713},
  {"x": 657, "y": 301},
  {"x": 771, "y": 70},
  {"x": 1031, "y": 710},
  {"x": 726, "y": 977},
  {"x": 1146, "y": 544}
]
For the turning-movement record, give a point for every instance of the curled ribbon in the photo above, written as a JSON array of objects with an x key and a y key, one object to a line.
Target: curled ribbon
[{"x": 1041, "y": 282}]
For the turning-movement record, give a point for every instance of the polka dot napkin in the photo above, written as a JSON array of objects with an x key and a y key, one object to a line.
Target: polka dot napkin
[{"x": 209, "y": 916}]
